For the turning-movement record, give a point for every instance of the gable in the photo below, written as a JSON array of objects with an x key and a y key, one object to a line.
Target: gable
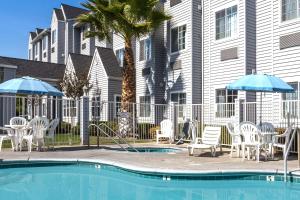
[{"x": 97, "y": 67}]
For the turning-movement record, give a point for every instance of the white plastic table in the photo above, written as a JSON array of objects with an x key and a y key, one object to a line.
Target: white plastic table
[{"x": 19, "y": 131}]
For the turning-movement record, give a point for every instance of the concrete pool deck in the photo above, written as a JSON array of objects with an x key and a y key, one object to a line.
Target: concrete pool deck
[{"x": 179, "y": 162}]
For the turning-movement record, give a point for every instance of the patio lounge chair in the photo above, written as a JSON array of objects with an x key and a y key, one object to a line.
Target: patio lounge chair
[
  {"x": 276, "y": 140},
  {"x": 210, "y": 140},
  {"x": 252, "y": 139},
  {"x": 166, "y": 131},
  {"x": 8, "y": 136}
]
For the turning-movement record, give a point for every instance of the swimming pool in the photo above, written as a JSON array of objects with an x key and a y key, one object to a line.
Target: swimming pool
[{"x": 86, "y": 181}]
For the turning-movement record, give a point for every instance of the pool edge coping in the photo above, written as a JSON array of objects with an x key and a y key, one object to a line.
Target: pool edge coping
[{"x": 139, "y": 169}]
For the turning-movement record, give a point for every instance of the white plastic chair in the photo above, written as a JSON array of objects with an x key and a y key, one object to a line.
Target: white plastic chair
[
  {"x": 166, "y": 131},
  {"x": 19, "y": 125},
  {"x": 19, "y": 121},
  {"x": 252, "y": 139},
  {"x": 38, "y": 127},
  {"x": 8, "y": 136},
  {"x": 268, "y": 131},
  {"x": 210, "y": 140},
  {"x": 52, "y": 130},
  {"x": 236, "y": 140},
  {"x": 276, "y": 142}
]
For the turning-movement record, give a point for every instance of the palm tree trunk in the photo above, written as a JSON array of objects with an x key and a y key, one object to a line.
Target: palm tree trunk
[{"x": 128, "y": 83}]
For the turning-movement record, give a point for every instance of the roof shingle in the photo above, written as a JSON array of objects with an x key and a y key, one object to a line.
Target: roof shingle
[
  {"x": 72, "y": 12},
  {"x": 59, "y": 14},
  {"x": 36, "y": 69},
  {"x": 110, "y": 62},
  {"x": 81, "y": 63}
]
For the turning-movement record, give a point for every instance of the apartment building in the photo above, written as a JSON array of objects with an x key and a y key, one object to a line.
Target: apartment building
[
  {"x": 54, "y": 44},
  {"x": 39, "y": 45}
]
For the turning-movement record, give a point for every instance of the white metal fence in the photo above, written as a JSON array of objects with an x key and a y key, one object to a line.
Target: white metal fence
[
  {"x": 66, "y": 110},
  {"x": 143, "y": 119}
]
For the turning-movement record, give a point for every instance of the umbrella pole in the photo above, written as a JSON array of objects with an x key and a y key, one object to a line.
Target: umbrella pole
[{"x": 260, "y": 120}]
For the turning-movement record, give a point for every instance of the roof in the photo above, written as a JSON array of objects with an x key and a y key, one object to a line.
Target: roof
[
  {"x": 59, "y": 14},
  {"x": 4, "y": 62},
  {"x": 36, "y": 69},
  {"x": 32, "y": 34},
  {"x": 110, "y": 62},
  {"x": 81, "y": 63},
  {"x": 39, "y": 30},
  {"x": 72, "y": 12}
]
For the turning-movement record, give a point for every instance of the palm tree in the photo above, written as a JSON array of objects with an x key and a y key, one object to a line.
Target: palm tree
[{"x": 129, "y": 19}]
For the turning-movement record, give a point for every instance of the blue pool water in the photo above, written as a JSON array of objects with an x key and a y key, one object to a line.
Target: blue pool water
[{"x": 88, "y": 182}]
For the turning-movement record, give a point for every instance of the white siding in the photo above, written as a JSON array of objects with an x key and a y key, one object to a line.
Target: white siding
[
  {"x": 283, "y": 63},
  {"x": 217, "y": 73}
]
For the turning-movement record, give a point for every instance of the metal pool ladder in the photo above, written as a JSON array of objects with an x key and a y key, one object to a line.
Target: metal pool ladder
[
  {"x": 113, "y": 139},
  {"x": 285, "y": 156}
]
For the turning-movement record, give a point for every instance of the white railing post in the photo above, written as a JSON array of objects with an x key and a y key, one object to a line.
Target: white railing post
[{"x": 84, "y": 120}]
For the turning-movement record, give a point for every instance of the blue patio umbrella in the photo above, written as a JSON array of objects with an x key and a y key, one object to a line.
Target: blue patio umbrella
[
  {"x": 260, "y": 83},
  {"x": 30, "y": 86}
]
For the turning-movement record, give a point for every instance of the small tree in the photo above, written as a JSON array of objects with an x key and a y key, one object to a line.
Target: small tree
[{"x": 73, "y": 85}]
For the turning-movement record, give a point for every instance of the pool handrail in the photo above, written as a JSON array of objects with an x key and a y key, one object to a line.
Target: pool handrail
[
  {"x": 115, "y": 133},
  {"x": 287, "y": 152},
  {"x": 115, "y": 141}
]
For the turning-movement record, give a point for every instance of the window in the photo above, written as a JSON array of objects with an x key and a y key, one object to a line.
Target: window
[
  {"x": 145, "y": 106},
  {"x": 1, "y": 74},
  {"x": 226, "y": 23},
  {"x": 117, "y": 104},
  {"x": 120, "y": 56},
  {"x": 69, "y": 108},
  {"x": 178, "y": 38},
  {"x": 180, "y": 100},
  {"x": 225, "y": 100},
  {"x": 290, "y": 9},
  {"x": 145, "y": 49},
  {"x": 290, "y": 102},
  {"x": 45, "y": 55},
  {"x": 96, "y": 106},
  {"x": 83, "y": 46},
  {"x": 84, "y": 32},
  {"x": 53, "y": 36},
  {"x": 44, "y": 43},
  {"x": 52, "y": 49},
  {"x": 293, "y": 95}
]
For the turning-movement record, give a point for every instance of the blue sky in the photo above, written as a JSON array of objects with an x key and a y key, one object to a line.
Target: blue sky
[{"x": 19, "y": 17}]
